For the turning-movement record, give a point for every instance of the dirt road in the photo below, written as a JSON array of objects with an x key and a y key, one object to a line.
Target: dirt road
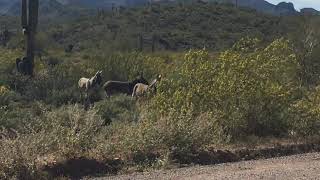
[{"x": 305, "y": 166}]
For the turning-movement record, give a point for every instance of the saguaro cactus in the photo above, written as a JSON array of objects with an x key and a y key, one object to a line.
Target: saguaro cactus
[
  {"x": 5, "y": 36},
  {"x": 29, "y": 22}
]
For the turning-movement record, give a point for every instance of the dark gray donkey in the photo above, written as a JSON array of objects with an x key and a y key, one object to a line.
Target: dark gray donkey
[{"x": 120, "y": 87}]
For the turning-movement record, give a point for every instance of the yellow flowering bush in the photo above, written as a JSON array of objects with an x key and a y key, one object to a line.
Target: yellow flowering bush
[
  {"x": 305, "y": 114},
  {"x": 252, "y": 88}
]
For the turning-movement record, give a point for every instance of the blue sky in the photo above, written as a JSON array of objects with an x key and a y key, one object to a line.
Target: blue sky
[{"x": 298, "y": 4}]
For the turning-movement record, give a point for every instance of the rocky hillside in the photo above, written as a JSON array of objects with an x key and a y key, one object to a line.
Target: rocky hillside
[
  {"x": 283, "y": 8},
  {"x": 176, "y": 27},
  {"x": 309, "y": 11},
  {"x": 56, "y": 6},
  {"x": 103, "y": 3}
]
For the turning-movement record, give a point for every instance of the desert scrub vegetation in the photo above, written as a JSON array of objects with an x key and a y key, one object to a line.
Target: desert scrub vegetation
[
  {"x": 252, "y": 89},
  {"x": 63, "y": 133},
  {"x": 305, "y": 114},
  {"x": 249, "y": 86}
]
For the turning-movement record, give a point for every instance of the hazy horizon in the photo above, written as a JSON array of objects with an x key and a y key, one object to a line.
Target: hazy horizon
[{"x": 299, "y": 4}]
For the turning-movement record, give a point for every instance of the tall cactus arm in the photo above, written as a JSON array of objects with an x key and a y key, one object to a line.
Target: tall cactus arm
[
  {"x": 33, "y": 14},
  {"x": 24, "y": 16}
]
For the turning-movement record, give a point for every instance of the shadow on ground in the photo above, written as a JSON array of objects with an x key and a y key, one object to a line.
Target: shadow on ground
[
  {"x": 224, "y": 156},
  {"x": 82, "y": 167}
]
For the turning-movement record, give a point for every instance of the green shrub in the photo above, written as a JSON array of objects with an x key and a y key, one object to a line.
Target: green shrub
[
  {"x": 176, "y": 132},
  {"x": 16, "y": 111},
  {"x": 117, "y": 108},
  {"x": 53, "y": 86},
  {"x": 305, "y": 114},
  {"x": 251, "y": 87},
  {"x": 18, "y": 160},
  {"x": 64, "y": 133},
  {"x": 71, "y": 130}
]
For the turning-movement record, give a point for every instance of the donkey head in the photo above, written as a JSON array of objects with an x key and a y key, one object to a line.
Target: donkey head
[
  {"x": 155, "y": 81},
  {"x": 97, "y": 79},
  {"x": 140, "y": 79}
]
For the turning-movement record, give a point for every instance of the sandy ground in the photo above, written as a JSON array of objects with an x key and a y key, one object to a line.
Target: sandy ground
[{"x": 304, "y": 166}]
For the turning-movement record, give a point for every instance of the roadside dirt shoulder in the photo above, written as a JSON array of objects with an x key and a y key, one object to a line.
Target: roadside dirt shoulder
[{"x": 303, "y": 166}]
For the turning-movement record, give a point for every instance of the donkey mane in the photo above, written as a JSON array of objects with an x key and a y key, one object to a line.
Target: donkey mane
[{"x": 87, "y": 84}]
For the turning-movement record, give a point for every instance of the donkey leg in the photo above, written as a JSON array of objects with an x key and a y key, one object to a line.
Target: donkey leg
[
  {"x": 86, "y": 102},
  {"x": 91, "y": 101},
  {"x": 92, "y": 104},
  {"x": 80, "y": 100},
  {"x": 108, "y": 95},
  {"x": 86, "y": 105}
]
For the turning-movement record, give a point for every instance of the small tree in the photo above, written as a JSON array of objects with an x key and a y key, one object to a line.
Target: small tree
[{"x": 307, "y": 47}]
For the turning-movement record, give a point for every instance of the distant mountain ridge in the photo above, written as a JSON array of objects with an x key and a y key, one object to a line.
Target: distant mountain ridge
[
  {"x": 48, "y": 9},
  {"x": 309, "y": 11},
  {"x": 5, "y": 5},
  {"x": 283, "y": 8},
  {"x": 46, "y": 6},
  {"x": 103, "y": 3},
  {"x": 54, "y": 6},
  {"x": 12, "y": 7}
]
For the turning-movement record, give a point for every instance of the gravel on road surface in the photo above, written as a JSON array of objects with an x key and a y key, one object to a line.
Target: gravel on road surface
[{"x": 303, "y": 166}]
